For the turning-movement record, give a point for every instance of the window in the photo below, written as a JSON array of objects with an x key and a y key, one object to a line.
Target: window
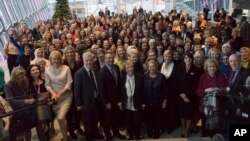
[
  {"x": 10, "y": 11},
  {"x": 27, "y": 8},
  {"x": 1, "y": 52},
  {"x": 4, "y": 16},
  {"x": 1, "y": 26},
  {"x": 22, "y": 8},
  {"x": 16, "y": 10},
  {"x": 32, "y": 3},
  {"x": 5, "y": 37}
]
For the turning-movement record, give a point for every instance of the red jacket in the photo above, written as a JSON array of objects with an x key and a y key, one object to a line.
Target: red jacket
[{"x": 206, "y": 82}]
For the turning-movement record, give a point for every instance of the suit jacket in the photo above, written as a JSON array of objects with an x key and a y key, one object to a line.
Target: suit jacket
[
  {"x": 238, "y": 86},
  {"x": 111, "y": 92},
  {"x": 188, "y": 34},
  {"x": 12, "y": 89},
  {"x": 138, "y": 92},
  {"x": 84, "y": 89}
]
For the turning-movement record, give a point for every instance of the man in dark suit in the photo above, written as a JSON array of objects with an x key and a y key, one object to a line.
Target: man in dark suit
[
  {"x": 245, "y": 30},
  {"x": 183, "y": 33},
  {"x": 87, "y": 88},
  {"x": 111, "y": 97},
  {"x": 237, "y": 88}
]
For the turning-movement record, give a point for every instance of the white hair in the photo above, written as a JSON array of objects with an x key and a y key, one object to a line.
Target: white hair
[{"x": 87, "y": 55}]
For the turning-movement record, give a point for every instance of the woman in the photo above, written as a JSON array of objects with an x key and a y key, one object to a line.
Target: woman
[
  {"x": 245, "y": 57},
  {"x": 155, "y": 96},
  {"x": 169, "y": 69},
  {"x": 188, "y": 79},
  {"x": 101, "y": 57},
  {"x": 58, "y": 82},
  {"x": 37, "y": 88},
  {"x": 132, "y": 94},
  {"x": 212, "y": 80},
  {"x": 199, "y": 59},
  {"x": 39, "y": 54},
  {"x": 17, "y": 91},
  {"x": 214, "y": 53},
  {"x": 160, "y": 51},
  {"x": 236, "y": 41},
  {"x": 120, "y": 57},
  {"x": 42, "y": 64},
  {"x": 73, "y": 116}
]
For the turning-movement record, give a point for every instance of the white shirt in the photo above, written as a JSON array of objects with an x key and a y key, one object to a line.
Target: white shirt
[
  {"x": 167, "y": 70},
  {"x": 130, "y": 88}
]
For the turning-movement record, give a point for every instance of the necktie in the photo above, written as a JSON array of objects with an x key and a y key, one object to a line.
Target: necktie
[
  {"x": 232, "y": 77},
  {"x": 92, "y": 79}
]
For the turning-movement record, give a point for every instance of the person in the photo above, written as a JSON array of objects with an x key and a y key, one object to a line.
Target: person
[
  {"x": 4, "y": 128},
  {"x": 11, "y": 52},
  {"x": 39, "y": 55},
  {"x": 2, "y": 81},
  {"x": 132, "y": 99},
  {"x": 5, "y": 121},
  {"x": 188, "y": 77},
  {"x": 244, "y": 27},
  {"x": 236, "y": 88},
  {"x": 210, "y": 81},
  {"x": 120, "y": 57},
  {"x": 169, "y": 69},
  {"x": 88, "y": 100},
  {"x": 111, "y": 80},
  {"x": 73, "y": 116},
  {"x": 37, "y": 88},
  {"x": 58, "y": 82},
  {"x": 155, "y": 95},
  {"x": 245, "y": 58},
  {"x": 18, "y": 86}
]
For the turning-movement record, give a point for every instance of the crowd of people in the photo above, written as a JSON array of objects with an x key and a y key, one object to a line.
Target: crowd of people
[{"x": 116, "y": 71}]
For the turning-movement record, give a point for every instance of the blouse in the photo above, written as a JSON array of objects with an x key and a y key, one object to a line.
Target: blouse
[
  {"x": 130, "y": 88},
  {"x": 58, "y": 78},
  {"x": 155, "y": 90}
]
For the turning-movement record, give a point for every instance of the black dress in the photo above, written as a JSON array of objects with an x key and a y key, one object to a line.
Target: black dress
[{"x": 188, "y": 82}]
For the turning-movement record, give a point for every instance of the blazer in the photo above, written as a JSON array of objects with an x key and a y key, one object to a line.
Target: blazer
[
  {"x": 138, "y": 92},
  {"x": 84, "y": 89},
  {"x": 238, "y": 86},
  {"x": 111, "y": 92},
  {"x": 12, "y": 89}
]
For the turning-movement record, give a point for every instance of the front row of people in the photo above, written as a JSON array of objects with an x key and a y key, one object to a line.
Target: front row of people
[{"x": 107, "y": 92}]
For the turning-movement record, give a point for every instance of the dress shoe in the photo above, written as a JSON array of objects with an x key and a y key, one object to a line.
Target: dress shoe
[
  {"x": 156, "y": 136},
  {"x": 73, "y": 135},
  {"x": 130, "y": 138},
  {"x": 120, "y": 136}
]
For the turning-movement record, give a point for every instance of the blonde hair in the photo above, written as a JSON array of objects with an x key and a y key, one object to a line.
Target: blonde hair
[
  {"x": 53, "y": 54},
  {"x": 210, "y": 61},
  {"x": 152, "y": 62},
  {"x": 245, "y": 48},
  {"x": 16, "y": 72},
  {"x": 128, "y": 63},
  {"x": 168, "y": 52}
]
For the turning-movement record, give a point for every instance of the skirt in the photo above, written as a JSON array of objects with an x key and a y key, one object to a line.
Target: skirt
[{"x": 63, "y": 105}]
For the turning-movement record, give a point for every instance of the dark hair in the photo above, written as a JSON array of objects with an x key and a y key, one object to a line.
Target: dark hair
[
  {"x": 189, "y": 55},
  {"x": 28, "y": 72}
]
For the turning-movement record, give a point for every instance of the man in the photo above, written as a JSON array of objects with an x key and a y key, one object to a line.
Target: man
[
  {"x": 208, "y": 46},
  {"x": 87, "y": 94},
  {"x": 236, "y": 88},
  {"x": 183, "y": 33},
  {"x": 245, "y": 30},
  {"x": 111, "y": 96}
]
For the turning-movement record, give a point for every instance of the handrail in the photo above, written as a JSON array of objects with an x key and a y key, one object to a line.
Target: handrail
[{"x": 26, "y": 108}]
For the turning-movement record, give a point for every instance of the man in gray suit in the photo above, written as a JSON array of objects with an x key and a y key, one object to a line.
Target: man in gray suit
[{"x": 87, "y": 95}]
